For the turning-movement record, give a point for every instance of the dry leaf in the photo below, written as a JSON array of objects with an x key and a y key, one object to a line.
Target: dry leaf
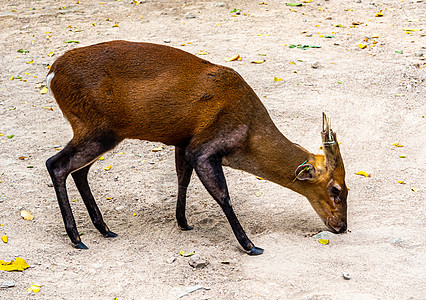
[
  {"x": 232, "y": 58},
  {"x": 362, "y": 46},
  {"x": 201, "y": 52},
  {"x": 277, "y": 79},
  {"x": 44, "y": 90},
  {"x": 258, "y": 61},
  {"x": 401, "y": 181},
  {"x": 186, "y": 254},
  {"x": 101, "y": 158},
  {"x": 26, "y": 215},
  {"x": 19, "y": 264},
  {"x": 107, "y": 168},
  {"x": 362, "y": 173},
  {"x": 323, "y": 241},
  {"x": 397, "y": 145},
  {"x": 157, "y": 149},
  {"x": 415, "y": 189},
  {"x": 34, "y": 288},
  {"x": 51, "y": 53},
  {"x": 5, "y": 239},
  {"x": 379, "y": 14},
  {"x": 23, "y": 157}
]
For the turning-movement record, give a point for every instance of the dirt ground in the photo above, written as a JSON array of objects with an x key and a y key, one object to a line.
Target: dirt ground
[{"x": 375, "y": 97}]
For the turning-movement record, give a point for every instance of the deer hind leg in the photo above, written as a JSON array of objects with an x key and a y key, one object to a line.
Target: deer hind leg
[
  {"x": 77, "y": 155},
  {"x": 184, "y": 172}
]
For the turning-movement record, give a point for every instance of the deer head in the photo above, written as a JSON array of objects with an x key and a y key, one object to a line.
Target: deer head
[{"x": 323, "y": 182}]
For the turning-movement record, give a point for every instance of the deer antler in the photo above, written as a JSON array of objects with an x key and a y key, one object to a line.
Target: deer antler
[{"x": 330, "y": 145}]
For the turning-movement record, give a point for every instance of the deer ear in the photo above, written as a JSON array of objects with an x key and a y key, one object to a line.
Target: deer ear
[{"x": 305, "y": 172}]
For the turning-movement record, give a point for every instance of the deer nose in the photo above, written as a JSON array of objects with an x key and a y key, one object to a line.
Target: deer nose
[{"x": 343, "y": 228}]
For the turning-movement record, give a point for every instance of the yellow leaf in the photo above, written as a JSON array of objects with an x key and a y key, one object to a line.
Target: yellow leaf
[
  {"x": 362, "y": 46},
  {"x": 44, "y": 90},
  {"x": 116, "y": 25},
  {"x": 134, "y": 214},
  {"x": 107, "y": 168},
  {"x": 34, "y": 288},
  {"x": 11, "y": 78},
  {"x": 101, "y": 158},
  {"x": 258, "y": 61},
  {"x": 412, "y": 29},
  {"x": 26, "y": 215},
  {"x": 232, "y": 58},
  {"x": 30, "y": 62},
  {"x": 277, "y": 79},
  {"x": 259, "y": 178},
  {"x": 19, "y": 264},
  {"x": 201, "y": 52},
  {"x": 136, "y": 2},
  {"x": 5, "y": 239},
  {"x": 415, "y": 189},
  {"x": 120, "y": 153},
  {"x": 379, "y": 14},
  {"x": 50, "y": 54},
  {"x": 186, "y": 254},
  {"x": 401, "y": 182},
  {"x": 323, "y": 241},
  {"x": 156, "y": 149},
  {"x": 362, "y": 173}
]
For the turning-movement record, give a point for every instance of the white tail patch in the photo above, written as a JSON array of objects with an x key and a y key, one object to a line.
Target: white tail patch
[{"x": 49, "y": 79}]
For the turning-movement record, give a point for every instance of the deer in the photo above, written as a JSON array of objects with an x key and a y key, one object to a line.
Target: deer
[{"x": 119, "y": 90}]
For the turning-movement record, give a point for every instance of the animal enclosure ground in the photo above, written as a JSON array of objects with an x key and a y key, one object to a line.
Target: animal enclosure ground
[{"x": 368, "y": 75}]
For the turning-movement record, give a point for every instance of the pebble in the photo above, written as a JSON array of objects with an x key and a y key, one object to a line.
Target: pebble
[
  {"x": 418, "y": 54},
  {"x": 220, "y": 4},
  {"x": 50, "y": 184},
  {"x": 346, "y": 276},
  {"x": 119, "y": 208},
  {"x": 316, "y": 65},
  {"x": 171, "y": 260},
  {"x": 197, "y": 262},
  {"x": 323, "y": 235},
  {"x": 191, "y": 289},
  {"x": 167, "y": 41},
  {"x": 190, "y": 16},
  {"x": 8, "y": 284}
]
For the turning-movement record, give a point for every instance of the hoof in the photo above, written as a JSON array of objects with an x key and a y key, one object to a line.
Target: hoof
[
  {"x": 255, "y": 251},
  {"x": 110, "y": 234},
  {"x": 186, "y": 227},
  {"x": 81, "y": 246}
]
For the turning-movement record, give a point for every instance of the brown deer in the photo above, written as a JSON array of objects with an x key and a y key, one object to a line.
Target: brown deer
[{"x": 125, "y": 90}]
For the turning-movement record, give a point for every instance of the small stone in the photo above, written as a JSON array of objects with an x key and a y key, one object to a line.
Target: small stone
[
  {"x": 171, "y": 260},
  {"x": 167, "y": 41},
  {"x": 346, "y": 276},
  {"x": 316, "y": 65},
  {"x": 322, "y": 235},
  {"x": 190, "y": 16},
  {"x": 119, "y": 208},
  {"x": 197, "y": 262},
  {"x": 220, "y": 4},
  {"x": 418, "y": 54},
  {"x": 50, "y": 184},
  {"x": 8, "y": 284}
]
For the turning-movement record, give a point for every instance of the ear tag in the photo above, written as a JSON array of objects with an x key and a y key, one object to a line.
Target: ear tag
[{"x": 303, "y": 170}]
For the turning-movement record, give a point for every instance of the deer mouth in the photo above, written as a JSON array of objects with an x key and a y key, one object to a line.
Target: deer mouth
[{"x": 337, "y": 226}]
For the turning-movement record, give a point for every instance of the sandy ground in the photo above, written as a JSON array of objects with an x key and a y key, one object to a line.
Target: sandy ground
[{"x": 374, "y": 96}]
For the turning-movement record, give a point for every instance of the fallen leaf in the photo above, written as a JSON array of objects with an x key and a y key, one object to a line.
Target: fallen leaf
[
  {"x": 30, "y": 62},
  {"x": 116, "y": 25},
  {"x": 50, "y": 54},
  {"x": 259, "y": 178},
  {"x": 44, "y": 90},
  {"x": 401, "y": 181},
  {"x": 232, "y": 58},
  {"x": 258, "y": 61},
  {"x": 294, "y": 4},
  {"x": 101, "y": 158},
  {"x": 107, "y": 168},
  {"x": 23, "y": 51},
  {"x": 399, "y": 51},
  {"x": 34, "y": 288},
  {"x": 397, "y": 145},
  {"x": 10, "y": 136},
  {"x": 402, "y": 156},
  {"x": 5, "y": 239},
  {"x": 323, "y": 241},
  {"x": 276, "y": 79},
  {"x": 23, "y": 157},
  {"x": 19, "y": 264},
  {"x": 362, "y": 173},
  {"x": 379, "y": 14},
  {"x": 201, "y": 52},
  {"x": 71, "y": 41},
  {"x": 362, "y": 46},
  {"x": 26, "y": 215},
  {"x": 412, "y": 29},
  {"x": 157, "y": 149},
  {"x": 186, "y": 254},
  {"x": 415, "y": 189}
]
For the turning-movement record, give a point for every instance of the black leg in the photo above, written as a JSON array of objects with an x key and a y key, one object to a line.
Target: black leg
[
  {"x": 184, "y": 172},
  {"x": 209, "y": 170},
  {"x": 75, "y": 156},
  {"x": 80, "y": 179}
]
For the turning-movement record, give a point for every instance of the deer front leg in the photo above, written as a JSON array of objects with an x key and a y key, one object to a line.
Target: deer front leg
[{"x": 209, "y": 170}]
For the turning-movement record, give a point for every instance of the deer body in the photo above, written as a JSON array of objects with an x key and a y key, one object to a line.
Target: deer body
[{"x": 118, "y": 90}]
